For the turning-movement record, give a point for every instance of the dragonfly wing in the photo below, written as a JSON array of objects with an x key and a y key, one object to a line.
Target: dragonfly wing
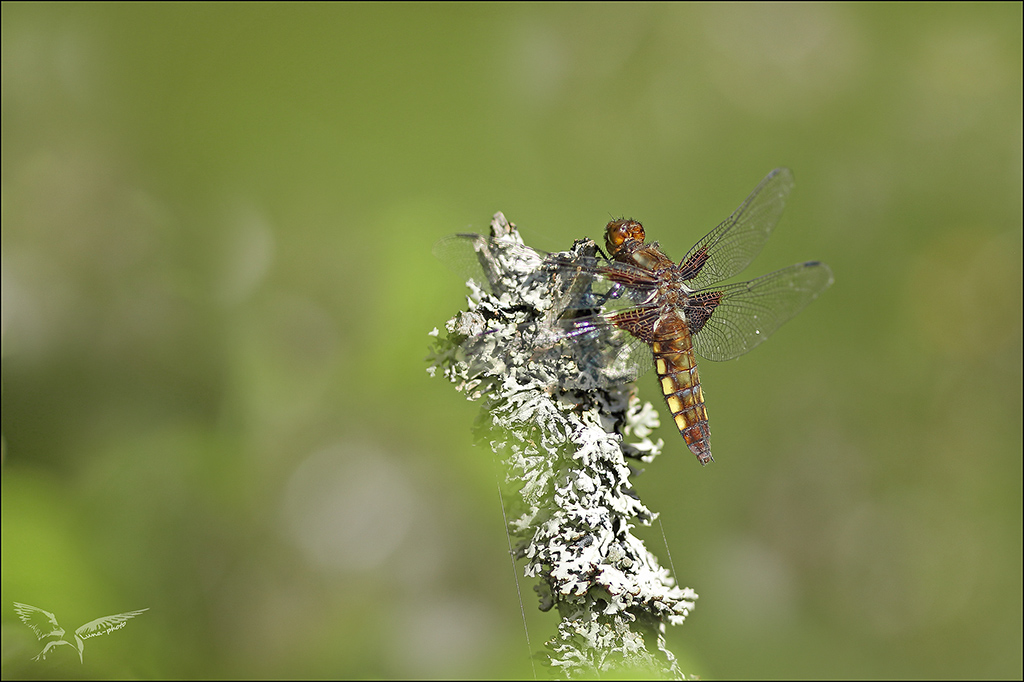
[
  {"x": 586, "y": 292},
  {"x": 476, "y": 257},
  {"x": 730, "y": 247},
  {"x": 590, "y": 285},
  {"x": 602, "y": 293},
  {"x": 732, "y": 320},
  {"x": 598, "y": 343}
]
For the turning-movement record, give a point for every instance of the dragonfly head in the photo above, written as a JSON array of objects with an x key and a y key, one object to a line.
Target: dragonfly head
[{"x": 621, "y": 231}]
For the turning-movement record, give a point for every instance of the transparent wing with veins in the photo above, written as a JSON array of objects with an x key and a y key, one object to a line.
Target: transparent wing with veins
[
  {"x": 579, "y": 290},
  {"x": 747, "y": 313},
  {"x": 729, "y": 248},
  {"x": 725, "y": 321},
  {"x": 588, "y": 311}
]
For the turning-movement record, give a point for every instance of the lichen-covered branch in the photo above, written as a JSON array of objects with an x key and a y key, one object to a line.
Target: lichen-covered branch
[{"x": 565, "y": 431}]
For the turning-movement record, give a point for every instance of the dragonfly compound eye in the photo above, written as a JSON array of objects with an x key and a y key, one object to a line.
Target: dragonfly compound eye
[{"x": 618, "y": 231}]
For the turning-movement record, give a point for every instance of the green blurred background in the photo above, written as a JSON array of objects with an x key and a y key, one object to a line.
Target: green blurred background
[{"x": 217, "y": 288}]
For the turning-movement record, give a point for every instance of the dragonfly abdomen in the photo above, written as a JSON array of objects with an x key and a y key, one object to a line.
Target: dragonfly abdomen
[{"x": 676, "y": 365}]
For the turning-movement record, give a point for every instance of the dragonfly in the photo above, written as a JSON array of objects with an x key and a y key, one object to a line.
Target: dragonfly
[{"x": 677, "y": 311}]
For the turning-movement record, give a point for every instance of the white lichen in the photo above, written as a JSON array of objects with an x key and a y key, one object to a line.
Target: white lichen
[{"x": 559, "y": 421}]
